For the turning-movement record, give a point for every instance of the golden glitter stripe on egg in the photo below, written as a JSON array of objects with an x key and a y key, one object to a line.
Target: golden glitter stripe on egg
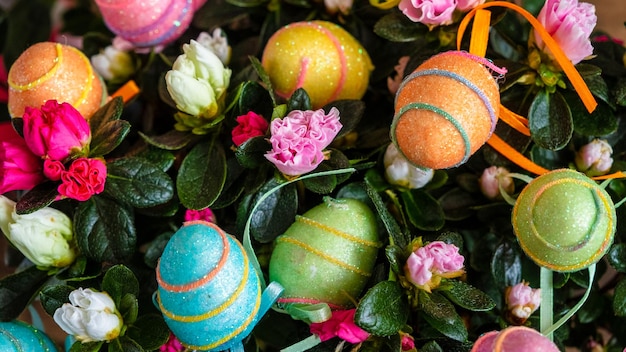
[
  {"x": 215, "y": 311},
  {"x": 235, "y": 332},
  {"x": 46, "y": 76},
  {"x": 319, "y": 225},
  {"x": 89, "y": 84},
  {"x": 323, "y": 255},
  {"x": 203, "y": 280}
]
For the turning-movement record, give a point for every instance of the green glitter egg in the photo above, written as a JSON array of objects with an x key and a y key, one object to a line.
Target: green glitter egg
[
  {"x": 327, "y": 254},
  {"x": 564, "y": 221}
]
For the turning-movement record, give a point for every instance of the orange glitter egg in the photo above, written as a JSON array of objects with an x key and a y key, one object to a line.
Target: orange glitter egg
[
  {"x": 53, "y": 71},
  {"x": 445, "y": 110},
  {"x": 320, "y": 57}
]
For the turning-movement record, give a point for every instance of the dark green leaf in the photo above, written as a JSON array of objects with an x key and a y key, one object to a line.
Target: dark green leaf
[
  {"x": 619, "y": 92},
  {"x": 450, "y": 237},
  {"x": 109, "y": 136},
  {"x": 124, "y": 344},
  {"x": 431, "y": 346},
  {"x": 550, "y": 120},
  {"x": 17, "y": 290},
  {"x": 467, "y": 296},
  {"x": 247, "y": 3},
  {"x": 164, "y": 159},
  {"x": 52, "y": 297},
  {"x": 38, "y": 197},
  {"x": 440, "y": 314},
  {"x": 119, "y": 281},
  {"x": 105, "y": 230},
  {"x": 327, "y": 184},
  {"x": 602, "y": 121},
  {"x": 251, "y": 153},
  {"x": 253, "y": 97},
  {"x": 150, "y": 331},
  {"x": 598, "y": 87},
  {"x": 129, "y": 308},
  {"x": 396, "y": 27},
  {"x": 619, "y": 299},
  {"x": 396, "y": 257},
  {"x": 155, "y": 249},
  {"x": 617, "y": 257},
  {"x": 423, "y": 210},
  {"x": 110, "y": 111},
  {"x": 350, "y": 114},
  {"x": 18, "y": 125},
  {"x": 549, "y": 159},
  {"x": 276, "y": 213},
  {"x": 171, "y": 140},
  {"x": 400, "y": 238},
  {"x": 202, "y": 175},
  {"x": 457, "y": 204},
  {"x": 299, "y": 100},
  {"x": 383, "y": 310},
  {"x": 506, "y": 265},
  {"x": 138, "y": 182},
  {"x": 265, "y": 78},
  {"x": 86, "y": 347},
  {"x": 592, "y": 309}
]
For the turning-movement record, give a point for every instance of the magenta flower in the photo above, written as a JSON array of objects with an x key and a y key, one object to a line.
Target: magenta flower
[
  {"x": 20, "y": 169},
  {"x": 205, "y": 214},
  {"x": 428, "y": 264},
  {"x": 84, "y": 178},
  {"x": 521, "y": 301},
  {"x": 52, "y": 169},
  {"x": 429, "y": 12},
  {"x": 570, "y": 23},
  {"x": 595, "y": 158},
  {"x": 407, "y": 342},
  {"x": 249, "y": 125},
  {"x": 172, "y": 345},
  {"x": 56, "y": 131},
  {"x": 341, "y": 324},
  {"x": 298, "y": 140}
]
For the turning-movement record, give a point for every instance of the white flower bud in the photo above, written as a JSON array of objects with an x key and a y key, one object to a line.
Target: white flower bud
[
  {"x": 217, "y": 43},
  {"x": 399, "y": 171},
  {"x": 595, "y": 158},
  {"x": 113, "y": 64},
  {"x": 44, "y": 236},
  {"x": 91, "y": 316}
]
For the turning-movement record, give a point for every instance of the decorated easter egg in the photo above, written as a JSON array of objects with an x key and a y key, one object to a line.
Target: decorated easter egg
[
  {"x": 208, "y": 291},
  {"x": 17, "y": 336},
  {"x": 52, "y": 71},
  {"x": 146, "y": 23},
  {"x": 514, "y": 339},
  {"x": 445, "y": 110},
  {"x": 564, "y": 221},
  {"x": 327, "y": 254},
  {"x": 320, "y": 57}
]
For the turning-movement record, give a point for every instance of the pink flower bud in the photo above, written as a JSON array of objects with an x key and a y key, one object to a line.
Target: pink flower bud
[
  {"x": 20, "y": 169},
  {"x": 249, "y": 125},
  {"x": 84, "y": 178},
  {"x": 52, "y": 169},
  {"x": 407, "y": 341},
  {"x": 492, "y": 179},
  {"x": 205, "y": 214},
  {"x": 595, "y": 158},
  {"x": 428, "y": 264},
  {"x": 56, "y": 131},
  {"x": 172, "y": 345},
  {"x": 340, "y": 324},
  {"x": 521, "y": 301}
]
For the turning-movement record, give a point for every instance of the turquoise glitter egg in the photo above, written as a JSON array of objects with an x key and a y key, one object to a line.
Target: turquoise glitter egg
[
  {"x": 209, "y": 293},
  {"x": 17, "y": 336}
]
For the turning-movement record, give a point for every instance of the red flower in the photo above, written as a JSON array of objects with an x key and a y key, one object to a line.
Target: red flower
[
  {"x": 84, "y": 178},
  {"x": 340, "y": 324},
  {"x": 249, "y": 125},
  {"x": 52, "y": 169},
  {"x": 20, "y": 169}
]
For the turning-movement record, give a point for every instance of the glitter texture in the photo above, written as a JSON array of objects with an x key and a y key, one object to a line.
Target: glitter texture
[
  {"x": 327, "y": 255},
  {"x": 16, "y": 336},
  {"x": 564, "y": 221}
]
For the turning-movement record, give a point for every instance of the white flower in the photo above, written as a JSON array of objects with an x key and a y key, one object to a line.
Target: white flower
[
  {"x": 217, "y": 43},
  {"x": 44, "y": 237},
  {"x": 399, "y": 171},
  {"x": 197, "y": 81},
  {"x": 90, "y": 316},
  {"x": 113, "y": 64}
]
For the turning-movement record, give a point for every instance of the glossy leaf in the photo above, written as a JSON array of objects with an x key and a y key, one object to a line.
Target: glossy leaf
[
  {"x": 350, "y": 114},
  {"x": 441, "y": 315},
  {"x": 39, "y": 197},
  {"x": 383, "y": 310},
  {"x": 138, "y": 182},
  {"x": 617, "y": 257},
  {"x": 466, "y": 296},
  {"x": 396, "y": 27},
  {"x": 299, "y": 100},
  {"x": 251, "y": 153},
  {"x": 54, "y": 296},
  {"x": 118, "y": 281},
  {"x": 275, "y": 214},
  {"x": 201, "y": 175},
  {"x": 171, "y": 140},
  {"x": 149, "y": 331},
  {"x": 400, "y": 238},
  {"x": 602, "y": 121},
  {"x": 506, "y": 265},
  {"x": 423, "y": 210},
  {"x": 17, "y": 291},
  {"x": 550, "y": 120},
  {"x": 619, "y": 299}
]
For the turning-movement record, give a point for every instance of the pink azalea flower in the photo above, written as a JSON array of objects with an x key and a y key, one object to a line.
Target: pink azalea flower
[
  {"x": 56, "y": 131},
  {"x": 84, "y": 178},
  {"x": 205, "y": 214},
  {"x": 20, "y": 169},
  {"x": 53, "y": 169},
  {"x": 172, "y": 345},
  {"x": 428, "y": 264},
  {"x": 521, "y": 301},
  {"x": 570, "y": 23},
  {"x": 249, "y": 125},
  {"x": 465, "y": 5},
  {"x": 298, "y": 140},
  {"x": 341, "y": 324},
  {"x": 407, "y": 341},
  {"x": 429, "y": 12}
]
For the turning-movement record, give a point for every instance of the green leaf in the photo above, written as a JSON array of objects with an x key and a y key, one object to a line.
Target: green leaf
[
  {"x": 383, "y": 310},
  {"x": 549, "y": 159},
  {"x": 105, "y": 230},
  {"x": 506, "y": 265},
  {"x": 86, "y": 347},
  {"x": 149, "y": 331},
  {"x": 423, "y": 210},
  {"x": 265, "y": 78},
  {"x": 171, "y": 140},
  {"x": 550, "y": 120},
  {"x": 431, "y": 346},
  {"x": 251, "y": 153},
  {"x": 276, "y": 213},
  {"x": 327, "y": 184},
  {"x": 38, "y": 197},
  {"x": 602, "y": 121},
  {"x": 155, "y": 249},
  {"x": 164, "y": 159},
  {"x": 598, "y": 87},
  {"x": 119, "y": 281},
  {"x": 124, "y": 344},
  {"x": 107, "y": 130},
  {"x": 467, "y": 296},
  {"x": 457, "y": 204},
  {"x": 396, "y": 27},
  {"x": 299, "y": 100},
  {"x": 350, "y": 113},
  {"x": 592, "y": 309},
  {"x": 400, "y": 238},
  {"x": 52, "y": 297},
  {"x": 617, "y": 257},
  {"x": 129, "y": 308},
  {"x": 396, "y": 257},
  {"x": 619, "y": 92},
  {"x": 18, "y": 289},
  {"x": 202, "y": 175},
  {"x": 440, "y": 314},
  {"x": 138, "y": 182},
  {"x": 251, "y": 96},
  {"x": 619, "y": 299}
]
